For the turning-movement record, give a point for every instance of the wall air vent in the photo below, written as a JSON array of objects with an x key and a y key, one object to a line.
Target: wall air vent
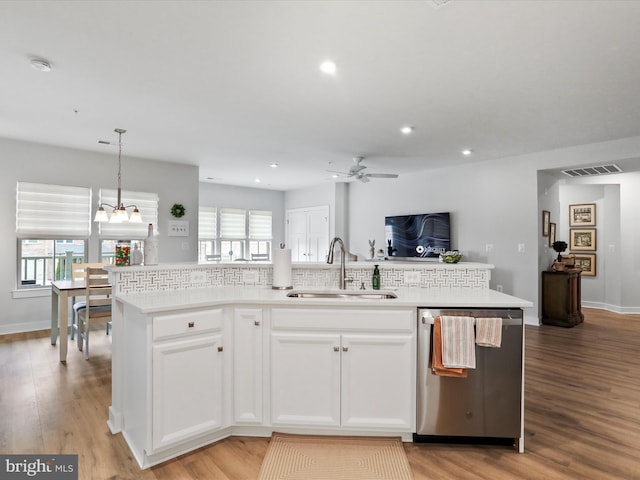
[{"x": 589, "y": 171}]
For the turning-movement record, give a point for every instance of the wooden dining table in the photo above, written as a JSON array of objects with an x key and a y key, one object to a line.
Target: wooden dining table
[{"x": 61, "y": 290}]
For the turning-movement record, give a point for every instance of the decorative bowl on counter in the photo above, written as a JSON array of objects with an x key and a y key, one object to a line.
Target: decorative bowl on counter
[{"x": 452, "y": 256}]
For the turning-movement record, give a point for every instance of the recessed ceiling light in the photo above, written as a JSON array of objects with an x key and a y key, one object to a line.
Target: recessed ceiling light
[
  {"x": 273, "y": 165},
  {"x": 328, "y": 67},
  {"x": 40, "y": 65},
  {"x": 407, "y": 129},
  {"x": 257, "y": 180},
  {"x": 467, "y": 151}
]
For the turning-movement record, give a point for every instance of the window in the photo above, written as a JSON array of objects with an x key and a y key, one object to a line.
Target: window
[
  {"x": 42, "y": 261},
  {"x": 260, "y": 235},
  {"x": 229, "y": 234},
  {"x": 53, "y": 223},
  {"x": 233, "y": 234},
  {"x": 208, "y": 234}
]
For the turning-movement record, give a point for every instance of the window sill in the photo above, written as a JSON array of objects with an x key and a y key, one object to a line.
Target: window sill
[{"x": 31, "y": 292}]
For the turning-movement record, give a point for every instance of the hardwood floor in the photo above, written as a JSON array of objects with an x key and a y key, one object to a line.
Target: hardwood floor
[{"x": 582, "y": 413}]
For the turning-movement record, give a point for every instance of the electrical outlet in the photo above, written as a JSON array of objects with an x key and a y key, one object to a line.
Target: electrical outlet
[
  {"x": 411, "y": 277},
  {"x": 489, "y": 247},
  {"x": 198, "y": 277},
  {"x": 499, "y": 288},
  {"x": 249, "y": 276},
  {"x": 521, "y": 248}
]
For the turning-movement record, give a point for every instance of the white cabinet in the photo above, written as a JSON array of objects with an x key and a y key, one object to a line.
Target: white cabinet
[
  {"x": 305, "y": 379},
  {"x": 308, "y": 233},
  {"x": 247, "y": 366},
  {"x": 378, "y": 379},
  {"x": 321, "y": 375},
  {"x": 187, "y": 376}
]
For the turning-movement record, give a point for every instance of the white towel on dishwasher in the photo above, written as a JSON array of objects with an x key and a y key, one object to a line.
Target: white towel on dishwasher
[
  {"x": 458, "y": 342},
  {"x": 489, "y": 332}
]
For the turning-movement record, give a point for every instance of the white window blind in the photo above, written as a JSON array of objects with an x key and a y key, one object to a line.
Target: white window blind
[
  {"x": 232, "y": 223},
  {"x": 53, "y": 211},
  {"x": 207, "y": 223},
  {"x": 260, "y": 225},
  {"x": 147, "y": 203}
]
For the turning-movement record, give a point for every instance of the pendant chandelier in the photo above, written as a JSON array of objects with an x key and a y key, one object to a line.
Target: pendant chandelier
[{"x": 119, "y": 214}]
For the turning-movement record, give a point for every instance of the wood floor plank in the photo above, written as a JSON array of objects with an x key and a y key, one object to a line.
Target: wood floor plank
[{"x": 582, "y": 413}]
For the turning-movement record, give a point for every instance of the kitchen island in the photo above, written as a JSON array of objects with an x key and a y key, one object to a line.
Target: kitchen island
[{"x": 192, "y": 366}]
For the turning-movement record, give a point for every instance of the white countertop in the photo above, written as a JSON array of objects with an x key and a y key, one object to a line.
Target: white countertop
[{"x": 161, "y": 301}]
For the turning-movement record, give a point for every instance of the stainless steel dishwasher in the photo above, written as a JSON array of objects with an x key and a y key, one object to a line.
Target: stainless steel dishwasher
[{"x": 487, "y": 404}]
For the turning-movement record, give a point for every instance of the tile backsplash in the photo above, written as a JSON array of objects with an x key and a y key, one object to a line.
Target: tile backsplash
[{"x": 180, "y": 277}]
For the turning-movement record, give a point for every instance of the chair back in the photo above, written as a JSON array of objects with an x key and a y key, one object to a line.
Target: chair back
[
  {"x": 260, "y": 256},
  {"x": 78, "y": 270},
  {"x": 97, "y": 291}
]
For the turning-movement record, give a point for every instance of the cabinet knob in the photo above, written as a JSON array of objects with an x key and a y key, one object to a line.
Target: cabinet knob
[
  {"x": 192, "y": 324},
  {"x": 345, "y": 349},
  {"x": 256, "y": 323},
  {"x": 220, "y": 349},
  {"x": 336, "y": 349}
]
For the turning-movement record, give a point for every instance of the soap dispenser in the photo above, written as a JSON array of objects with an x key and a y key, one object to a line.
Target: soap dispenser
[{"x": 375, "y": 280}]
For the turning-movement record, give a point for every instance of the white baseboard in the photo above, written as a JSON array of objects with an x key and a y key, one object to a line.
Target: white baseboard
[
  {"x": 611, "y": 308},
  {"x": 25, "y": 327}
]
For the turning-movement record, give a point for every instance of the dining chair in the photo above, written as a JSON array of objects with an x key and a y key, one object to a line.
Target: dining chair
[
  {"x": 259, "y": 256},
  {"x": 77, "y": 273},
  {"x": 97, "y": 305}
]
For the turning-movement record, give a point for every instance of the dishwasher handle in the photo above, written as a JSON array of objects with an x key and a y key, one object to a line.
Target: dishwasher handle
[{"x": 428, "y": 319}]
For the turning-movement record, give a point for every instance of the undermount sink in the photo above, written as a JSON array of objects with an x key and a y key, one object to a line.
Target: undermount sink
[{"x": 363, "y": 294}]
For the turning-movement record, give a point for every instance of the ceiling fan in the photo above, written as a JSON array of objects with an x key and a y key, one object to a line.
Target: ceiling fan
[{"x": 356, "y": 171}]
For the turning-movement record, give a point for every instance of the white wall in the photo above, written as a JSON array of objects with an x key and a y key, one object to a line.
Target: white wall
[
  {"x": 30, "y": 162},
  {"x": 214, "y": 195}
]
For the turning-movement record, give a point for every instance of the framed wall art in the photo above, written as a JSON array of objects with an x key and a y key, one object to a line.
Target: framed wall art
[
  {"x": 546, "y": 220},
  {"x": 582, "y": 239},
  {"x": 582, "y": 215},
  {"x": 586, "y": 262},
  {"x": 552, "y": 233}
]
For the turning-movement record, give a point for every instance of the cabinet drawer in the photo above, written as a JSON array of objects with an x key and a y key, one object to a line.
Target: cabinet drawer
[
  {"x": 340, "y": 319},
  {"x": 187, "y": 323}
]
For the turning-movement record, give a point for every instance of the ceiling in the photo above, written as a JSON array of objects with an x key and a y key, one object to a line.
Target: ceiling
[{"x": 234, "y": 86}]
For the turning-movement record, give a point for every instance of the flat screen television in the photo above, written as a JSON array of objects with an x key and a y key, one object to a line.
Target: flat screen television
[{"x": 424, "y": 235}]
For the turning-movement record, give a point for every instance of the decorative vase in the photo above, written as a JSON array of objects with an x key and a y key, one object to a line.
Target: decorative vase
[{"x": 151, "y": 248}]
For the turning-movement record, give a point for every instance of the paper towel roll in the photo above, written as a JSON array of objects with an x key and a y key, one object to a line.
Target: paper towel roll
[{"x": 282, "y": 269}]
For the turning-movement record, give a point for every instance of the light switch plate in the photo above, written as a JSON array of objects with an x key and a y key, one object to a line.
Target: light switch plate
[{"x": 178, "y": 228}]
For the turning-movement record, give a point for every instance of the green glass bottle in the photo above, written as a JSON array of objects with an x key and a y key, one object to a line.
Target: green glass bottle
[{"x": 375, "y": 280}]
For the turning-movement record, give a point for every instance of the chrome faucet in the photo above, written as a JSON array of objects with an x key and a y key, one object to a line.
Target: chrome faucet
[{"x": 343, "y": 274}]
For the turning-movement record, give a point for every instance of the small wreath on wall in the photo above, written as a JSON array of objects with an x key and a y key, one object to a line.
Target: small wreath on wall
[{"x": 178, "y": 210}]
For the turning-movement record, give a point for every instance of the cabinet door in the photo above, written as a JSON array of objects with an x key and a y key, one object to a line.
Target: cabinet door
[
  {"x": 305, "y": 379},
  {"x": 187, "y": 389},
  {"x": 378, "y": 381},
  {"x": 297, "y": 235},
  {"x": 247, "y": 366}
]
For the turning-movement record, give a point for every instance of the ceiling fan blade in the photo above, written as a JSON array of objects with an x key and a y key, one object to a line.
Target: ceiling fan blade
[{"x": 381, "y": 175}]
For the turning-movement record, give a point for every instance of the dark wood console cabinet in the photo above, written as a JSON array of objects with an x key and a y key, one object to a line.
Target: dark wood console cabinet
[{"x": 561, "y": 298}]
